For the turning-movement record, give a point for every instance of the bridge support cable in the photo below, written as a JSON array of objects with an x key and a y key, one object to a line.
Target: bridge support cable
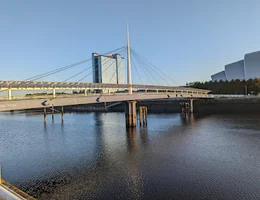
[
  {"x": 71, "y": 77},
  {"x": 95, "y": 70},
  {"x": 147, "y": 69},
  {"x": 101, "y": 94},
  {"x": 65, "y": 68},
  {"x": 78, "y": 81},
  {"x": 77, "y": 74},
  {"x": 147, "y": 74},
  {"x": 153, "y": 66},
  {"x": 129, "y": 69},
  {"x": 136, "y": 70},
  {"x": 91, "y": 67},
  {"x": 56, "y": 71},
  {"x": 49, "y": 73},
  {"x": 121, "y": 52},
  {"x": 151, "y": 71}
]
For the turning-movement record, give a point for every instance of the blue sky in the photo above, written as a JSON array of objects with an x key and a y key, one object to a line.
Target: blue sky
[{"x": 189, "y": 40}]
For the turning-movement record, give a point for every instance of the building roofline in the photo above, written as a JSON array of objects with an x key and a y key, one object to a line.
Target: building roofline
[
  {"x": 251, "y": 53},
  {"x": 234, "y": 62}
]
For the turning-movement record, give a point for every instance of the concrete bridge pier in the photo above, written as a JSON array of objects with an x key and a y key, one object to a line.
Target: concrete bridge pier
[
  {"x": 9, "y": 94},
  {"x": 191, "y": 106},
  {"x": 143, "y": 115},
  {"x": 187, "y": 107},
  {"x": 52, "y": 112},
  {"x": 62, "y": 114},
  {"x": 44, "y": 115},
  {"x": 184, "y": 107},
  {"x": 130, "y": 114},
  {"x": 54, "y": 92}
]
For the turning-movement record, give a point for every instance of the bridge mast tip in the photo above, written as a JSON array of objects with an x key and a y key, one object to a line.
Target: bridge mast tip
[{"x": 129, "y": 71}]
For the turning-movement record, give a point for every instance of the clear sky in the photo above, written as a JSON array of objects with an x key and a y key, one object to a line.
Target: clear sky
[{"x": 189, "y": 40}]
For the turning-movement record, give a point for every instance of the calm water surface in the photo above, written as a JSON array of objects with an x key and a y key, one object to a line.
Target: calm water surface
[{"x": 93, "y": 156}]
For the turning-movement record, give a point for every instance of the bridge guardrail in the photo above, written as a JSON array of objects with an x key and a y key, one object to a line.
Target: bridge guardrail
[{"x": 50, "y": 96}]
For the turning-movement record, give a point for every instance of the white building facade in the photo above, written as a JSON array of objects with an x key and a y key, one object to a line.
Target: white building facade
[
  {"x": 249, "y": 68},
  {"x": 220, "y": 76},
  {"x": 108, "y": 69}
]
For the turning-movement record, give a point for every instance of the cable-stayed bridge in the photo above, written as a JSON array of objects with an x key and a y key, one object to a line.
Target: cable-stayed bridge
[{"x": 39, "y": 93}]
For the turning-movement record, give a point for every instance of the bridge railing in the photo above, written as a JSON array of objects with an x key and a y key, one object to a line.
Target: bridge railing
[
  {"x": 171, "y": 94},
  {"x": 88, "y": 89}
]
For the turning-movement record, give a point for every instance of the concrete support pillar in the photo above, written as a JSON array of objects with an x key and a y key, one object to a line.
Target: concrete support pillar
[
  {"x": 62, "y": 114},
  {"x": 191, "y": 106},
  {"x": 182, "y": 106},
  {"x": 109, "y": 91},
  {"x": 44, "y": 115},
  {"x": 143, "y": 115},
  {"x": 54, "y": 93},
  {"x": 85, "y": 92},
  {"x": 52, "y": 112},
  {"x": 130, "y": 113},
  {"x": 9, "y": 94}
]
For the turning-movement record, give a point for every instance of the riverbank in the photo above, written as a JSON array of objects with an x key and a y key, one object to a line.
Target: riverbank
[
  {"x": 228, "y": 105},
  {"x": 211, "y": 106}
]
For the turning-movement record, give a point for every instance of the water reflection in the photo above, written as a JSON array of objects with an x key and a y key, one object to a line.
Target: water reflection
[
  {"x": 136, "y": 182},
  {"x": 187, "y": 119},
  {"x": 93, "y": 156},
  {"x": 144, "y": 135},
  {"x": 45, "y": 136},
  {"x": 132, "y": 145}
]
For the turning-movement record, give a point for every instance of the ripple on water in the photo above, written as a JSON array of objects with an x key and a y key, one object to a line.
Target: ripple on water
[{"x": 93, "y": 156}]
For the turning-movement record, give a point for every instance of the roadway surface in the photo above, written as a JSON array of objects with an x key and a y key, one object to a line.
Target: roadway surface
[{"x": 37, "y": 103}]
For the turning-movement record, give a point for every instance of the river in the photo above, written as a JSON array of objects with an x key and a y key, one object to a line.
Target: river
[{"x": 93, "y": 156}]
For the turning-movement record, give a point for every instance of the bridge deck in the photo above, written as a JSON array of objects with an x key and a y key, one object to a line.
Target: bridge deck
[
  {"x": 141, "y": 92},
  {"x": 36, "y": 103}
]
